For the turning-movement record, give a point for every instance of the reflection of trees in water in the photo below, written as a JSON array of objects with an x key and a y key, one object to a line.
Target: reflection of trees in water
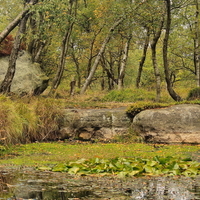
[
  {"x": 3, "y": 183},
  {"x": 6, "y": 182},
  {"x": 48, "y": 186},
  {"x": 164, "y": 188},
  {"x": 58, "y": 195}
]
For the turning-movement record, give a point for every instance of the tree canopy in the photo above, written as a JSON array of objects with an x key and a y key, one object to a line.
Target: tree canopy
[{"x": 110, "y": 44}]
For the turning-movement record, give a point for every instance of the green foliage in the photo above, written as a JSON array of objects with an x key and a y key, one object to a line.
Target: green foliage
[
  {"x": 194, "y": 94},
  {"x": 137, "y": 107},
  {"x": 56, "y": 153},
  {"x": 123, "y": 167},
  {"x": 128, "y": 95}
]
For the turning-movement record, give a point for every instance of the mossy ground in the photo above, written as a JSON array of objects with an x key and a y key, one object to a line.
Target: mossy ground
[{"x": 40, "y": 154}]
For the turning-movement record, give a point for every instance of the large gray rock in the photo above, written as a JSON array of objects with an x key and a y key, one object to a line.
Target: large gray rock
[
  {"x": 28, "y": 79},
  {"x": 90, "y": 124},
  {"x": 175, "y": 124}
]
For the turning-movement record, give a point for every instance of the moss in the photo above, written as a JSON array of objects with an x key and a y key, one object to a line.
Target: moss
[{"x": 137, "y": 107}]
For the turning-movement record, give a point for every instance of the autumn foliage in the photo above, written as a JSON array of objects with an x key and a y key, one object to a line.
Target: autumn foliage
[{"x": 7, "y": 45}]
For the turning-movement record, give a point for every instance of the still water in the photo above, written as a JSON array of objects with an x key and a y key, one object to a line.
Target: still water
[{"x": 24, "y": 184}]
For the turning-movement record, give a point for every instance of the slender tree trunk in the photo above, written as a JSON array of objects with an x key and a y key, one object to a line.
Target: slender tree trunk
[
  {"x": 171, "y": 92},
  {"x": 91, "y": 56},
  {"x": 123, "y": 63},
  {"x": 64, "y": 49},
  {"x": 77, "y": 69},
  {"x": 6, "y": 83},
  {"x": 96, "y": 62},
  {"x": 61, "y": 66},
  {"x": 197, "y": 44},
  {"x": 36, "y": 45},
  {"x": 154, "y": 61},
  {"x": 109, "y": 72},
  {"x": 17, "y": 20},
  {"x": 140, "y": 69}
]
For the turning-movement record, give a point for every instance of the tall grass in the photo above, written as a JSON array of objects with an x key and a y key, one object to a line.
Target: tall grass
[
  {"x": 129, "y": 95},
  {"x": 11, "y": 123},
  {"x": 22, "y": 122}
]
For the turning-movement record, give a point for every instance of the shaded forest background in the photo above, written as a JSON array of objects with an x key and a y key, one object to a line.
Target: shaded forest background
[{"x": 90, "y": 46}]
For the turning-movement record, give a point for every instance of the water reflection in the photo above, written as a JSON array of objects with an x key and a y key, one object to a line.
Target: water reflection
[
  {"x": 167, "y": 188},
  {"x": 29, "y": 184}
]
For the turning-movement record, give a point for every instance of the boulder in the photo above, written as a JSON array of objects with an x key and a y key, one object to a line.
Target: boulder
[
  {"x": 88, "y": 124},
  {"x": 28, "y": 79},
  {"x": 175, "y": 124}
]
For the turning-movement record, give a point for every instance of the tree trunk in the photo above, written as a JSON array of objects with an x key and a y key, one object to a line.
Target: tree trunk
[
  {"x": 154, "y": 61},
  {"x": 109, "y": 72},
  {"x": 123, "y": 63},
  {"x": 77, "y": 69},
  {"x": 64, "y": 49},
  {"x": 6, "y": 83},
  {"x": 36, "y": 45},
  {"x": 171, "y": 92},
  {"x": 16, "y": 21},
  {"x": 91, "y": 56},
  {"x": 146, "y": 44},
  {"x": 197, "y": 44},
  {"x": 96, "y": 62}
]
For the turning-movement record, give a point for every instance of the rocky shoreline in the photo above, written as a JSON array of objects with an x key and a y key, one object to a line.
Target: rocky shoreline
[{"x": 174, "y": 124}]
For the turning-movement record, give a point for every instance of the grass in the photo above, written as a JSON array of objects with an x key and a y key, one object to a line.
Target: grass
[
  {"x": 47, "y": 154},
  {"x": 37, "y": 118}
]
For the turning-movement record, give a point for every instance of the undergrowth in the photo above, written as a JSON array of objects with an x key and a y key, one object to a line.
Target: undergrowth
[
  {"x": 39, "y": 119},
  {"x": 121, "y": 159},
  {"x": 129, "y": 95},
  {"x": 22, "y": 122}
]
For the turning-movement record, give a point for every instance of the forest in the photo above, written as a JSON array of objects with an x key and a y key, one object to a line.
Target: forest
[
  {"x": 101, "y": 46},
  {"x": 134, "y": 54}
]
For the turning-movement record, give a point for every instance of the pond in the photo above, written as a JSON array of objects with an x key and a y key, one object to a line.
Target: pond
[{"x": 26, "y": 183}]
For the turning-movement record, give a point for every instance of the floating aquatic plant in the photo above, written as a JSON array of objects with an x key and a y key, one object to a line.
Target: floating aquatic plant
[{"x": 123, "y": 167}]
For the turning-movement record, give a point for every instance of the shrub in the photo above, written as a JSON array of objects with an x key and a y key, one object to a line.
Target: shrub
[
  {"x": 6, "y": 46},
  {"x": 49, "y": 115},
  {"x": 140, "y": 106},
  {"x": 22, "y": 122},
  {"x": 194, "y": 94},
  {"x": 11, "y": 124}
]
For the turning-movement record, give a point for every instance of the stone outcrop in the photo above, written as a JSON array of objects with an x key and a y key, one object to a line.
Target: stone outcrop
[
  {"x": 88, "y": 124},
  {"x": 28, "y": 79},
  {"x": 175, "y": 124}
]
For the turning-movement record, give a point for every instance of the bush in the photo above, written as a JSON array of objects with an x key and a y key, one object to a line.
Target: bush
[
  {"x": 22, "y": 122},
  {"x": 194, "y": 94},
  {"x": 140, "y": 106}
]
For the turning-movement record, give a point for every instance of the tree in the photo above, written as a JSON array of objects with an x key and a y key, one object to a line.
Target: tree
[
  {"x": 170, "y": 89},
  {"x": 197, "y": 43},
  {"x": 6, "y": 83},
  {"x": 143, "y": 58},
  {"x": 154, "y": 42},
  {"x": 65, "y": 46},
  {"x": 123, "y": 63},
  {"x": 17, "y": 20},
  {"x": 102, "y": 49}
]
